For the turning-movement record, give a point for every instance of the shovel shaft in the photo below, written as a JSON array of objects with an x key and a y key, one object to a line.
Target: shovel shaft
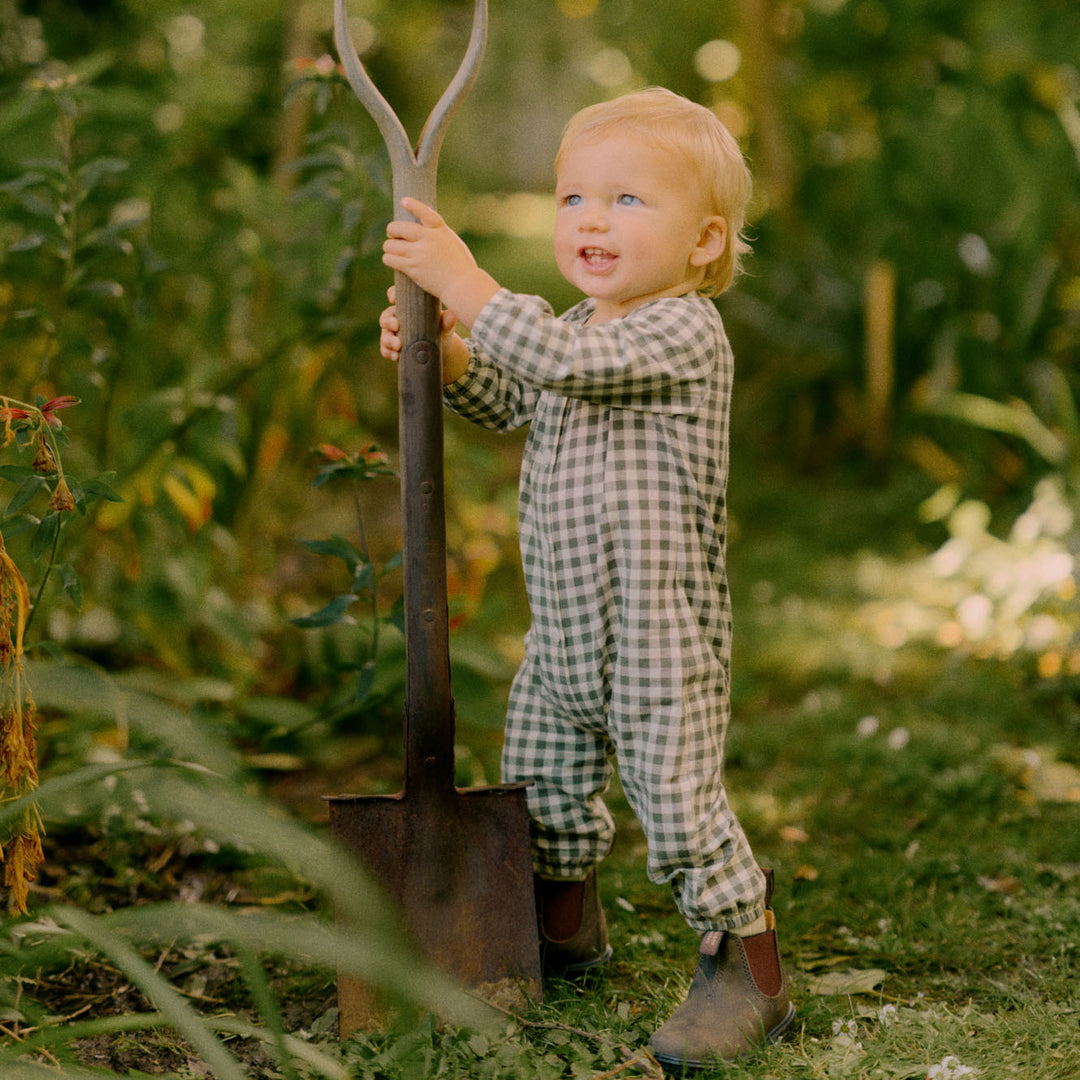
[{"x": 429, "y": 709}]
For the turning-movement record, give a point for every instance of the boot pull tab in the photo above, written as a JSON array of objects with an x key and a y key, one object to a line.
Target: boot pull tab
[{"x": 710, "y": 942}]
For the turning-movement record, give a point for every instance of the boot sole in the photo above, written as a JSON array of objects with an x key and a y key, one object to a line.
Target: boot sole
[
  {"x": 675, "y": 1066},
  {"x": 582, "y": 967}
]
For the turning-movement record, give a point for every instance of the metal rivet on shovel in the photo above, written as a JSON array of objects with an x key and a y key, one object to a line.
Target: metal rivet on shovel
[{"x": 456, "y": 860}]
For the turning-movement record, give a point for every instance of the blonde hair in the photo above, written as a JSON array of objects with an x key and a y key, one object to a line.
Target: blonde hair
[{"x": 694, "y": 133}]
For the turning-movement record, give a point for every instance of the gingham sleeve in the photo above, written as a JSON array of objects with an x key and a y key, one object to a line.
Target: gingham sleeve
[
  {"x": 489, "y": 396},
  {"x": 658, "y": 357}
]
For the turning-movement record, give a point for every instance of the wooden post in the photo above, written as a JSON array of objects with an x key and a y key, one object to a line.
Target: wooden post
[{"x": 879, "y": 299}]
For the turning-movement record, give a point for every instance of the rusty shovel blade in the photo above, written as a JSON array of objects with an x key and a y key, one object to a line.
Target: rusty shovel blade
[{"x": 457, "y": 862}]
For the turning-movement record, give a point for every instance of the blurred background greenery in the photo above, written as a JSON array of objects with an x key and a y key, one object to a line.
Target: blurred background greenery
[
  {"x": 192, "y": 204},
  {"x": 191, "y": 207}
]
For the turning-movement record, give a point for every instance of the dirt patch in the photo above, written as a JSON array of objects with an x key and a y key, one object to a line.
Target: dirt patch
[{"x": 103, "y": 873}]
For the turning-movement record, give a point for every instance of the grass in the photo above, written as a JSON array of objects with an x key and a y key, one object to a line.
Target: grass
[{"x": 928, "y": 864}]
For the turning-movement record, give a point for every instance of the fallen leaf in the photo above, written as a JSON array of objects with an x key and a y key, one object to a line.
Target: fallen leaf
[
  {"x": 794, "y": 835},
  {"x": 809, "y": 961},
  {"x": 1056, "y": 782},
  {"x": 1008, "y": 884},
  {"x": 852, "y": 981},
  {"x": 806, "y": 872}
]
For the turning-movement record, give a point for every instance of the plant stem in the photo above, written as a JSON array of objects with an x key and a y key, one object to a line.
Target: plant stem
[
  {"x": 67, "y": 220},
  {"x": 373, "y": 589},
  {"x": 45, "y": 576},
  {"x": 37, "y": 417}
]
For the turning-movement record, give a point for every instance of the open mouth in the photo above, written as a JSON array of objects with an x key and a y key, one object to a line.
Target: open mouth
[{"x": 597, "y": 258}]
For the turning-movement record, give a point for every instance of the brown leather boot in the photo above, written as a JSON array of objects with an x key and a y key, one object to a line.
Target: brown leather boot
[
  {"x": 573, "y": 931},
  {"x": 738, "y": 1002}
]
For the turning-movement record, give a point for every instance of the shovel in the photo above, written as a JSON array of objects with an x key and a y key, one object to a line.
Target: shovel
[{"x": 457, "y": 861}]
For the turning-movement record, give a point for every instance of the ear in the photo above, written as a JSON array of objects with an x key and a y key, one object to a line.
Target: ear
[{"x": 711, "y": 242}]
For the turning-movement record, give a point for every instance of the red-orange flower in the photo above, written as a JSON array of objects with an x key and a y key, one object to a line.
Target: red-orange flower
[
  {"x": 374, "y": 456},
  {"x": 324, "y": 66},
  {"x": 54, "y": 406},
  {"x": 9, "y": 413}
]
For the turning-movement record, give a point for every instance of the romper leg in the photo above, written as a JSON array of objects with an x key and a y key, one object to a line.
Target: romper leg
[
  {"x": 671, "y": 765},
  {"x": 570, "y": 769}
]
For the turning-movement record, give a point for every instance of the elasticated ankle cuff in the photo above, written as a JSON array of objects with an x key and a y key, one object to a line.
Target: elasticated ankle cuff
[{"x": 764, "y": 962}]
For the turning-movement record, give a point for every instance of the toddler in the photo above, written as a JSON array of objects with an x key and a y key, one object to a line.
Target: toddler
[{"x": 622, "y": 529}]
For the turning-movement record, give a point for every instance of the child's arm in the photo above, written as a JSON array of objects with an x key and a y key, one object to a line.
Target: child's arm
[
  {"x": 438, "y": 260},
  {"x": 487, "y": 398},
  {"x": 660, "y": 357}
]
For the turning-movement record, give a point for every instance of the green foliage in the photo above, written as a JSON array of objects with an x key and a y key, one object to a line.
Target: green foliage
[
  {"x": 177, "y": 771},
  {"x": 38, "y": 512},
  {"x": 365, "y": 579},
  {"x": 925, "y": 135},
  {"x": 203, "y": 351}
]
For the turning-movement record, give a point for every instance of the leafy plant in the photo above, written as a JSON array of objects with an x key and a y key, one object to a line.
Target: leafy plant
[
  {"x": 203, "y": 369},
  {"x": 39, "y": 430},
  {"x": 1009, "y": 597},
  {"x": 355, "y": 468}
]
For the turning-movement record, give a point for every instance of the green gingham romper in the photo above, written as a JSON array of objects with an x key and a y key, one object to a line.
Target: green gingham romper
[{"x": 622, "y": 529}]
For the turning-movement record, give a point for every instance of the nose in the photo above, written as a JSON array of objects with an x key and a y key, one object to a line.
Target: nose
[{"x": 593, "y": 219}]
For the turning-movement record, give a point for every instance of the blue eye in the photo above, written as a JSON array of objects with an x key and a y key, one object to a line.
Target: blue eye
[
  {"x": 572, "y": 200},
  {"x": 628, "y": 200}
]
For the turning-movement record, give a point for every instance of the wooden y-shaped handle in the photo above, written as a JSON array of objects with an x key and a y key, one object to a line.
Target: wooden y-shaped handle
[{"x": 414, "y": 171}]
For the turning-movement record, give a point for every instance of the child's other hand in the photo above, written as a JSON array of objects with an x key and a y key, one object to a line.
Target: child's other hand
[
  {"x": 454, "y": 353},
  {"x": 390, "y": 330}
]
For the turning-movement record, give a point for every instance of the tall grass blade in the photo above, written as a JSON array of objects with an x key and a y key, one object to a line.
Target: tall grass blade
[
  {"x": 390, "y": 963},
  {"x": 60, "y": 1035},
  {"x": 53, "y": 794},
  {"x": 264, "y": 1001},
  {"x": 82, "y": 690},
  {"x": 28, "y": 1070}
]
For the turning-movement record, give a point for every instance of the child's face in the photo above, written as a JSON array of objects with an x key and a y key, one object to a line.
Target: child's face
[{"x": 630, "y": 226}]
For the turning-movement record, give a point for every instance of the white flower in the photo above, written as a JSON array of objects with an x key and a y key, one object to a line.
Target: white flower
[
  {"x": 949, "y": 1068},
  {"x": 898, "y": 738},
  {"x": 867, "y": 727}
]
